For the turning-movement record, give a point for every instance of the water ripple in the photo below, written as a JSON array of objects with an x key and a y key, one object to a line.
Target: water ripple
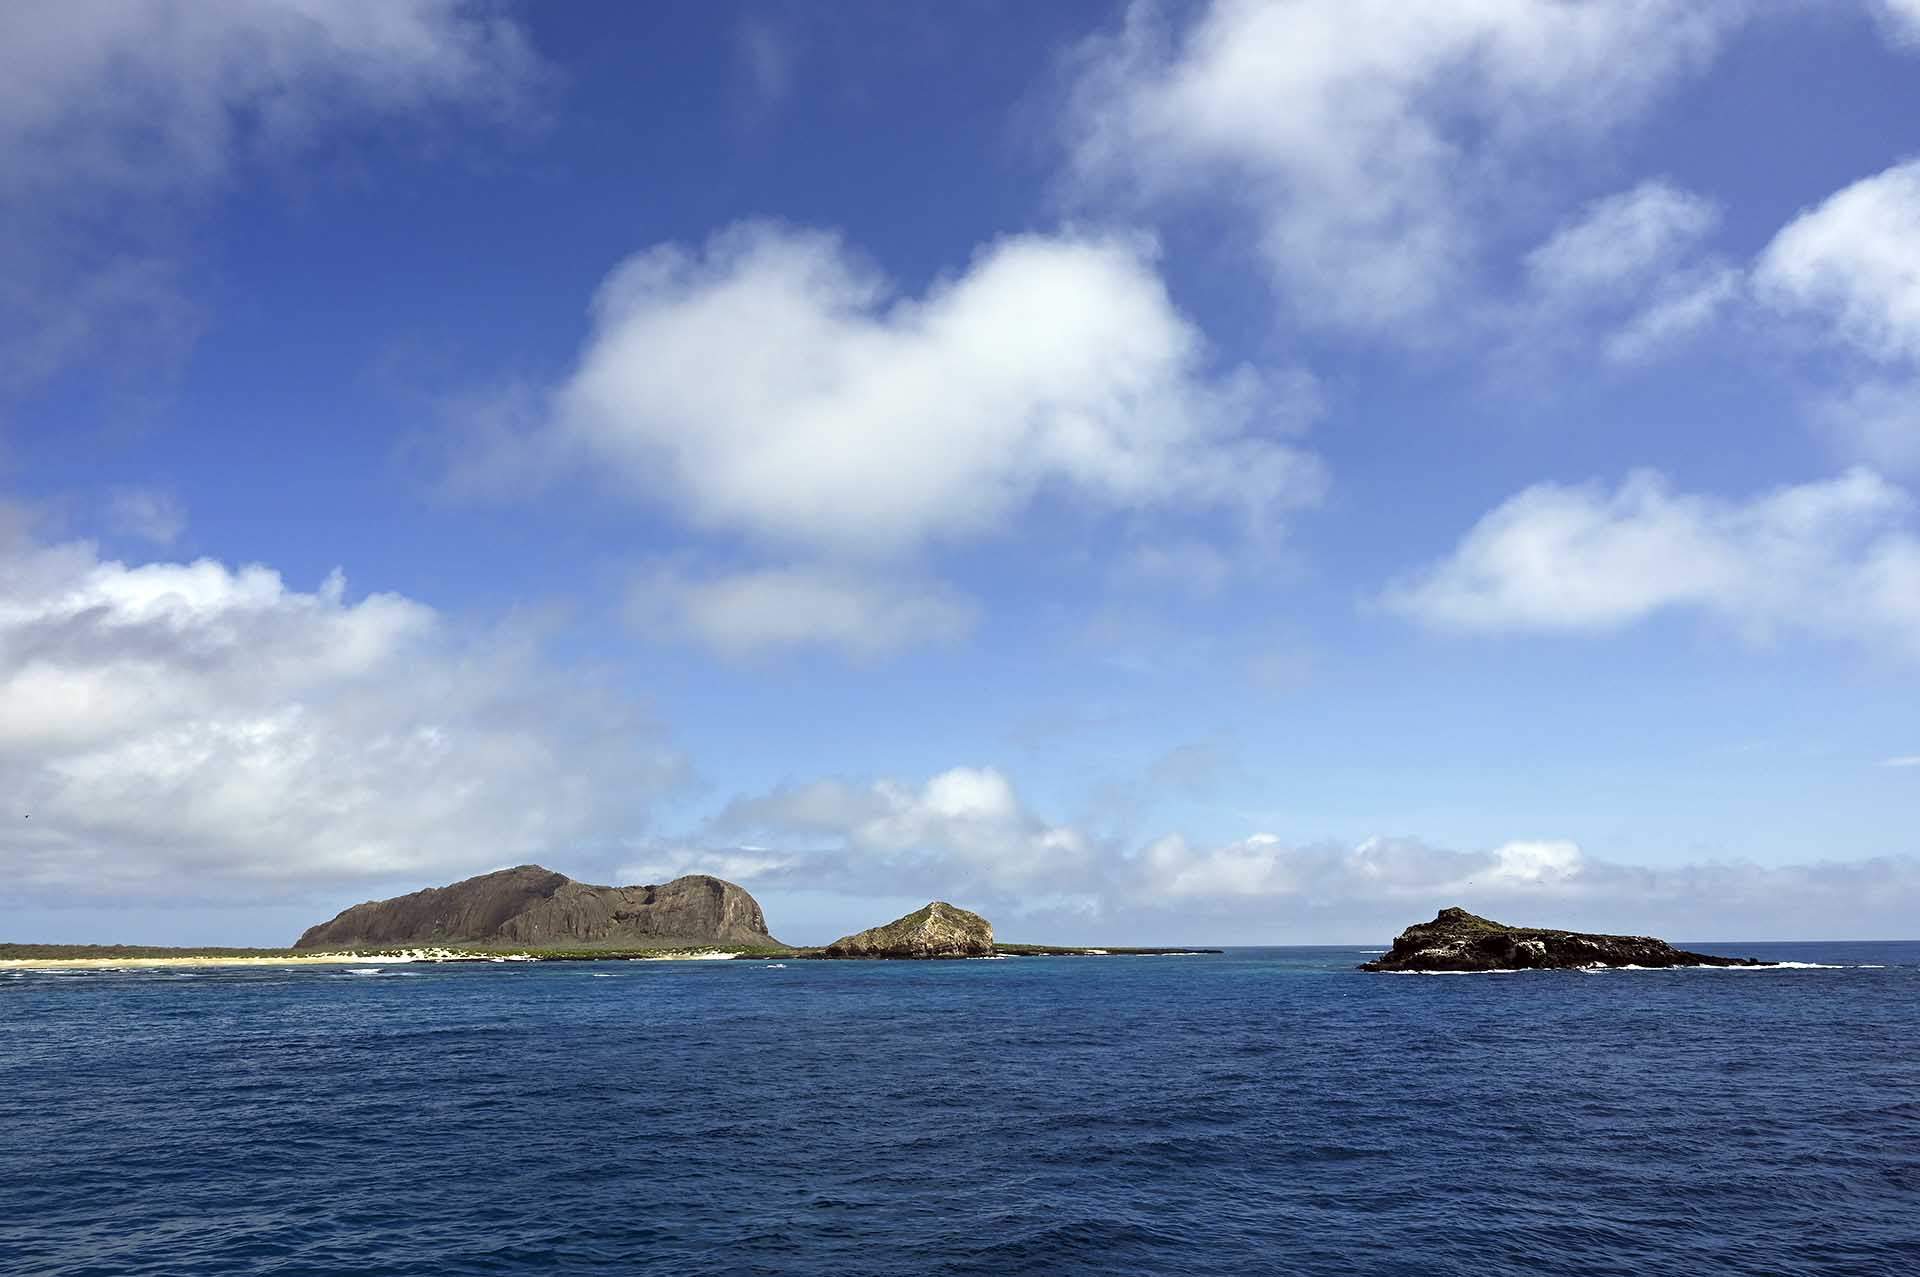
[{"x": 1265, "y": 1111}]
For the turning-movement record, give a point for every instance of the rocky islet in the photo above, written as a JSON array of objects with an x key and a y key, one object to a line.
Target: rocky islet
[{"x": 1460, "y": 941}]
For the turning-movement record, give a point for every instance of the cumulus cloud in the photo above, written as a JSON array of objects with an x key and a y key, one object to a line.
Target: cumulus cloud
[
  {"x": 186, "y": 728},
  {"x": 1838, "y": 557},
  {"x": 967, "y": 835},
  {"x": 743, "y": 613},
  {"x": 1845, "y": 271},
  {"x": 1848, "y": 264},
  {"x": 117, "y": 115},
  {"x": 1372, "y": 143},
  {"x": 966, "y": 827},
  {"x": 774, "y": 385},
  {"x": 1379, "y": 885},
  {"x": 1379, "y": 869}
]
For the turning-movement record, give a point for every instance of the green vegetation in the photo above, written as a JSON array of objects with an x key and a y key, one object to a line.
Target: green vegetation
[
  {"x": 1063, "y": 951},
  {"x": 483, "y": 953},
  {"x": 70, "y": 951},
  {"x": 451, "y": 952}
]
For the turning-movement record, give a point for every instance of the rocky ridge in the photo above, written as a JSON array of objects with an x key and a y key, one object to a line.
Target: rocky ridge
[
  {"x": 938, "y": 930},
  {"x": 1460, "y": 941},
  {"x": 534, "y": 907}
]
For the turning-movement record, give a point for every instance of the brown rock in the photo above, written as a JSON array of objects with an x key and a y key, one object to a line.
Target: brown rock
[
  {"x": 937, "y": 931},
  {"x": 538, "y": 908},
  {"x": 1460, "y": 941}
]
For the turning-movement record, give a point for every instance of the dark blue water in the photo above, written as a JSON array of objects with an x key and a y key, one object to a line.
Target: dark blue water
[{"x": 1269, "y": 1111}]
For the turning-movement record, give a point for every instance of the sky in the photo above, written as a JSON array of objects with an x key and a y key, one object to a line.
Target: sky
[{"x": 1235, "y": 472}]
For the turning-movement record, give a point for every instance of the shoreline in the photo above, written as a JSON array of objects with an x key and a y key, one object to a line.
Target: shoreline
[
  {"x": 94, "y": 963},
  {"x": 92, "y": 958}
]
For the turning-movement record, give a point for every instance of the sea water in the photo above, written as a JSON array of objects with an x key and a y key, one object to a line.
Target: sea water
[{"x": 1262, "y": 1111}]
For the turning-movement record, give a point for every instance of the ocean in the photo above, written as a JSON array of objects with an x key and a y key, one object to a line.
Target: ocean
[{"x": 1265, "y": 1111}]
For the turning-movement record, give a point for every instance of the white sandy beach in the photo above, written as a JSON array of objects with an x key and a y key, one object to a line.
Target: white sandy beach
[
  {"x": 297, "y": 960},
  {"x": 324, "y": 959},
  {"x": 697, "y": 955}
]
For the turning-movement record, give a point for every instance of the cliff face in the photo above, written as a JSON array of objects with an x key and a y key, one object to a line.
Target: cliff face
[
  {"x": 539, "y": 908},
  {"x": 937, "y": 931},
  {"x": 1460, "y": 941}
]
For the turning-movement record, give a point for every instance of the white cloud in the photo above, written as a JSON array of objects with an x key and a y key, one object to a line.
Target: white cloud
[
  {"x": 185, "y": 728},
  {"x": 1534, "y": 862},
  {"x": 119, "y": 117},
  {"x": 1837, "y": 557},
  {"x": 1900, "y": 19},
  {"x": 1876, "y": 420},
  {"x": 747, "y": 612},
  {"x": 1619, "y": 241},
  {"x": 1632, "y": 267},
  {"x": 966, "y": 835},
  {"x": 1380, "y": 869},
  {"x": 1848, "y": 264},
  {"x": 742, "y": 865},
  {"x": 963, "y": 827},
  {"x": 1846, "y": 270},
  {"x": 147, "y": 513},
  {"x": 1902, "y": 760},
  {"x": 1375, "y": 144},
  {"x": 148, "y": 94},
  {"x": 1681, "y": 306},
  {"x": 776, "y": 386},
  {"x": 1383, "y": 884}
]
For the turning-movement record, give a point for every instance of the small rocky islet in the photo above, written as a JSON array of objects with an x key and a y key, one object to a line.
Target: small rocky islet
[
  {"x": 1460, "y": 941},
  {"x": 938, "y": 930}
]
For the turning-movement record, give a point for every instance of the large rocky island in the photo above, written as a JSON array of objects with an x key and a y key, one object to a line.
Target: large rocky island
[
  {"x": 533, "y": 907},
  {"x": 1460, "y": 941}
]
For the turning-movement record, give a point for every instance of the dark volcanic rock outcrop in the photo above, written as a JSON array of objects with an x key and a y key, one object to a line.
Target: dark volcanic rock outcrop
[
  {"x": 538, "y": 908},
  {"x": 1459, "y": 941},
  {"x": 937, "y": 931}
]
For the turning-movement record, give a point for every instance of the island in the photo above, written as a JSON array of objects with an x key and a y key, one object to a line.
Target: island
[
  {"x": 532, "y": 907},
  {"x": 1460, "y": 941},
  {"x": 530, "y": 913},
  {"x": 936, "y": 931}
]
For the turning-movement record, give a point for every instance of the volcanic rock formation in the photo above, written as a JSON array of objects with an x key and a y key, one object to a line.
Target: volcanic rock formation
[
  {"x": 937, "y": 931},
  {"x": 537, "y": 908},
  {"x": 1459, "y": 941}
]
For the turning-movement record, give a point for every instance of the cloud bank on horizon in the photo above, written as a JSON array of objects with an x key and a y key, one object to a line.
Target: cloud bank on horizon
[{"x": 1496, "y": 421}]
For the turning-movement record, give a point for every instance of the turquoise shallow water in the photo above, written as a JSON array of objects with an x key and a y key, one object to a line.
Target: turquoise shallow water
[{"x": 1264, "y": 1111}]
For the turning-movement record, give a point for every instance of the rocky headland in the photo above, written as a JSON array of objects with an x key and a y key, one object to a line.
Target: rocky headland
[
  {"x": 535, "y": 908},
  {"x": 938, "y": 930},
  {"x": 1460, "y": 941}
]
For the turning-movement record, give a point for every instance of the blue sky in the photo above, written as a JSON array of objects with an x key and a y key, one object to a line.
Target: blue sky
[{"x": 1240, "y": 472}]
